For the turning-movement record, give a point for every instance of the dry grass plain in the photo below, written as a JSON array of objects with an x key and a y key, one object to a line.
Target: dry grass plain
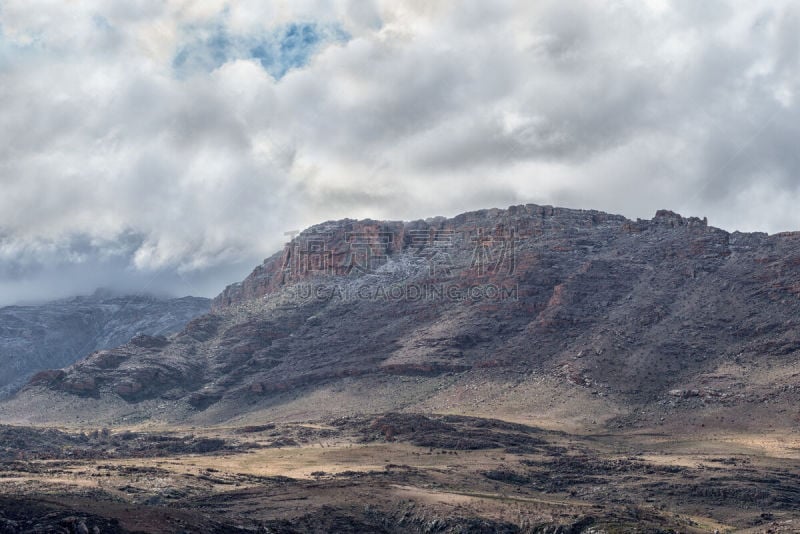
[{"x": 404, "y": 473}]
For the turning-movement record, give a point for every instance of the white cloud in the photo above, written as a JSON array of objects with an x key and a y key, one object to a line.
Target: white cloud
[{"x": 383, "y": 109}]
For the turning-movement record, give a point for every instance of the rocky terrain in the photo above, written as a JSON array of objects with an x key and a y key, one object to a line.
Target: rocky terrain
[
  {"x": 391, "y": 473},
  {"x": 566, "y": 318},
  {"x": 56, "y": 334}
]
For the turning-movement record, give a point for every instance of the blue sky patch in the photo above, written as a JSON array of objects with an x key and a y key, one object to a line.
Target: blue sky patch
[{"x": 288, "y": 47}]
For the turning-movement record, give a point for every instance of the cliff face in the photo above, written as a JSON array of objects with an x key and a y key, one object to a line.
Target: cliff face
[
  {"x": 58, "y": 333},
  {"x": 529, "y": 310},
  {"x": 468, "y": 245}
]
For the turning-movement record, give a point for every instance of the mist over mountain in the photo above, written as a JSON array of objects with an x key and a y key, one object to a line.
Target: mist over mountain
[{"x": 58, "y": 333}]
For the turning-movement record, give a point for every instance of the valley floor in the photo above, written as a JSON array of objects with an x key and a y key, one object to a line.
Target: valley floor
[{"x": 395, "y": 473}]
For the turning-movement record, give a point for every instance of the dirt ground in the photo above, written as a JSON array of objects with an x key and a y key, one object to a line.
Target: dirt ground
[{"x": 395, "y": 473}]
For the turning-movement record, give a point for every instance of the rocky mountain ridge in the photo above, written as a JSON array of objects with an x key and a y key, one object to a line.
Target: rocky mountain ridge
[
  {"x": 56, "y": 334},
  {"x": 545, "y": 314}
]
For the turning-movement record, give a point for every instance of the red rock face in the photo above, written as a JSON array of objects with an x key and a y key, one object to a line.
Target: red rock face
[
  {"x": 47, "y": 377},
  {"x": 128, "y": 389},
  {"x": 487, "y": 243},
  {"x": 80, "y": 385},
  {"x": 334, "y": 249}
]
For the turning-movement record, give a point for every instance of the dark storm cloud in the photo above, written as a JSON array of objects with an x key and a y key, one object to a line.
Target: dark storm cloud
[{"x": 181, "y": 140}]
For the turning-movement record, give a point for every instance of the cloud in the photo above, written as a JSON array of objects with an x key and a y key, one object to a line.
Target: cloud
[{"x": 181, "y": 139}]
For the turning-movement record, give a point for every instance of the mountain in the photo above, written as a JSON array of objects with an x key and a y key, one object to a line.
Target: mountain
[
  {"x": 56, "y": 334},
  {"x": 562, "y": 318}
]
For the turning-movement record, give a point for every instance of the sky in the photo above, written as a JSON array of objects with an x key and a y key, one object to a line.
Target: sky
[{"x": 167, "y": 146}]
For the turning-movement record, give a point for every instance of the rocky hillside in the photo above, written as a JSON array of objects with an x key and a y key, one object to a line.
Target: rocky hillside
[
  {"x": 556, "y": 316},
  {"x": 56, "y": 334}
]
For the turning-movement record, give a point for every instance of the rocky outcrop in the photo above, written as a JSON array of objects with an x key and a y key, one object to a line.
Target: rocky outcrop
[{"x": 348, "y": 247}]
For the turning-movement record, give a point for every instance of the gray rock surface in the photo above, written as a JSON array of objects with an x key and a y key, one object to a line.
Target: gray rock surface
[{"x": 56, "y": 334}]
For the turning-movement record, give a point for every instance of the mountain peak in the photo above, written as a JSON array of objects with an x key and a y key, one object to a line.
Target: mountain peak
[{"x": 667, "y": 217}]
